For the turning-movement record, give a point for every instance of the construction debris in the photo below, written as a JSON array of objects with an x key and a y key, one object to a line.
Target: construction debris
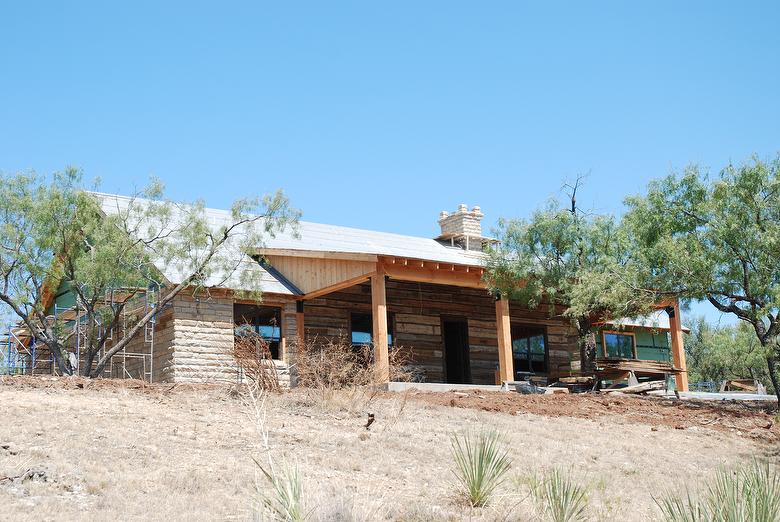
[
  {"x": 640, "y": 367},
  {"x": 743, "y": 385},
  {"x": 643, "y": 387}
]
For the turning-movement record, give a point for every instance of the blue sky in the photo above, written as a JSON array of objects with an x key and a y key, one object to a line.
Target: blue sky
[{"x": 381, "y": 115}]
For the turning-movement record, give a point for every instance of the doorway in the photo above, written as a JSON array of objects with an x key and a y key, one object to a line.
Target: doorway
[{"x": 455, "y": 333}]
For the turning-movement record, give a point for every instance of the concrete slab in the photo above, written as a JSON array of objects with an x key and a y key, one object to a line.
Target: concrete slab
[
  {"x": 709, "y": 396},
  {"x": 441, "y": 387}
]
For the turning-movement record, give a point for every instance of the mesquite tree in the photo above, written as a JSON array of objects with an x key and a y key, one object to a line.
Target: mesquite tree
[
  {"x": 52, "y": 232},
  {"x": 718, "y": 240},
  {"x": 576, "y": 264}
]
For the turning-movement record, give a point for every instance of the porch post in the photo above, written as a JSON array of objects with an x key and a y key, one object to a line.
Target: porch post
[
  {"x": 678, "y": 349},
  {"x": 379, "y": 315},
  {"x": 506, "y": 371}
]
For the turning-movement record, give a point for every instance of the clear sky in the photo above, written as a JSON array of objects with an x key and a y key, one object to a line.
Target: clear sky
[{"x": 380, "y": 115}]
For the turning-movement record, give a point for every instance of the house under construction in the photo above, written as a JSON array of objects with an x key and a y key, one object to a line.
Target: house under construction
[{"x": 425, "y": 296}]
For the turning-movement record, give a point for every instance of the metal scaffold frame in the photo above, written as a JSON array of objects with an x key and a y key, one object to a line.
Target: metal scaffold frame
[{"x": 19, "y": 353}]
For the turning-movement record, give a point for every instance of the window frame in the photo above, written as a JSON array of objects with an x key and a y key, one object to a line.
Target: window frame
[
  {"x": 390, "y": 328},
  {"x": 604, "y": 334},
  {"x": 278, "y": 314},
  {"x": 543, "y": 329}
]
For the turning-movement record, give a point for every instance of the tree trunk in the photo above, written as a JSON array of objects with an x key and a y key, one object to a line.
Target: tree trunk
[
  {"x": 88, "y": 360},
  {"x": 62, "y": 364},
  {"x": 587, "y": 344},
  {"x": 770, "y": 363}
]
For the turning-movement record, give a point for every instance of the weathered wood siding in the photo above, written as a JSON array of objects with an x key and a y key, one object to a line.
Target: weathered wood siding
[{"x": 418, "y": 309}]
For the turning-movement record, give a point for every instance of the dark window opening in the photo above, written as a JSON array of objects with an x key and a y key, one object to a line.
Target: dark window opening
[
  {"x": 529, "y": 350},
  {"x": 362, "y": 329},
  {"x": 265, "y": 321}
]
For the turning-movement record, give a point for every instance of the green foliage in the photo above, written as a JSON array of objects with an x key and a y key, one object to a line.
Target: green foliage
[
  {"x": 560, "y": 498},
  {"x": 51, "y": 230},
  {"x": 716, "y": 239},
  {"x": 747, "y": 494},
  {"x": 285, "y": 501},
  {"x": 725, "y": 352},
  {"x": 582, "y": 265},
  {"x": 482, "y": 462}
]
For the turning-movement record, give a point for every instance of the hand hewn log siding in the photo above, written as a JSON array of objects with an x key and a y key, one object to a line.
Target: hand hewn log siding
[{"x": 418, "y": 309}]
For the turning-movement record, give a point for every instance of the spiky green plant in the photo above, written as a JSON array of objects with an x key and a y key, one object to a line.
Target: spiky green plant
[
  {"x": 285, "y": 501},
  {"x": 560, "y": 498},
  {"x": 747, "y": 494},
  {"x": 482, "y": 462}
]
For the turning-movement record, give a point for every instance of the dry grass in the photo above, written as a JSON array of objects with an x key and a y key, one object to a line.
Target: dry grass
[{"x": 186, "y": 453}]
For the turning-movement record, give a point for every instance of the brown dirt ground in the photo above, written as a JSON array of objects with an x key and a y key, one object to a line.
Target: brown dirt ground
[
  {"x": 79, "y": 449},
  {"x": 756, "y": 420}
]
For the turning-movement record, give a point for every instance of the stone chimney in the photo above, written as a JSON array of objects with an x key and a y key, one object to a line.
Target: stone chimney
[{"x": 462, "y": 228}]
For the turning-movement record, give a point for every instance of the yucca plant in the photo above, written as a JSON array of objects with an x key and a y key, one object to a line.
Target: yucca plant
[
  {"x": 676, "y": 508},
  {"x": 482, "y": 462},
  {"x": 560, "y": 498},
  {"x": 747, "y": 494},
  {"x": 285, "y": 501}
]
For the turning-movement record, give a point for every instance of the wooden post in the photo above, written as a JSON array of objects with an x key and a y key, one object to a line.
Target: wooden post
[
  {"x": 379, "y": 334},
  {"x": 300, "y": 330},
  {"x": 506, "y": 371},
  {"x": 678, "y": 348}
]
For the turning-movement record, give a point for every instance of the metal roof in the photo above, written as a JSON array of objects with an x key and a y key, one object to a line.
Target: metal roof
[
  {"x": 658, "y": 320},
  {"x": 308, "y": 236}
]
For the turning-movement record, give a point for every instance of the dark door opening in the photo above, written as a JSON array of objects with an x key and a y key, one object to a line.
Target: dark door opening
[{"x": 456, "y": 350}]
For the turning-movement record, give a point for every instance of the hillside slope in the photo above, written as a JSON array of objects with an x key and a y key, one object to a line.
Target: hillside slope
[{"x": 108, "y": 450}]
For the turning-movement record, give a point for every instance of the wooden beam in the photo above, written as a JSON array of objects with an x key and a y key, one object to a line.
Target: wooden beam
[
  {"x": 678, "y": 348},
  {"x": 338, "y": 286},
  {"x": 316, "y": 254},
  {"x": 506, "y": 371},
  {"x": 379, "y": 334},
  {"x": 440, "y": 277}
]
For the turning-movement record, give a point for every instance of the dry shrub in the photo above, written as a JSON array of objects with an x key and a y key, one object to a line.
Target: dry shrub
[
  {"x": 255, "y": 362},
  {"x": 334, "y": 368}
]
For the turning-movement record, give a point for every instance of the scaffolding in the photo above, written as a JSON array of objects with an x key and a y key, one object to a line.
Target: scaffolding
[{"x": 19, "y": 355}]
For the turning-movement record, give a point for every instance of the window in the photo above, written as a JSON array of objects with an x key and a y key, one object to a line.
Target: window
[
  {"x": 362, "y": 329},
  {"x": 529, "y": 349},
  {"x": 265, "y": 321},
  {"x": 619, "y": 344}
]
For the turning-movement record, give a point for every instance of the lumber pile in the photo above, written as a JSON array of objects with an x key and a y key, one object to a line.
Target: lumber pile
[
  {"x": 615, "y": 365},
  {"x": 742, "y": 385},
  {"x": 642, "y": 387},
  {"x": 577, "y": 384}
]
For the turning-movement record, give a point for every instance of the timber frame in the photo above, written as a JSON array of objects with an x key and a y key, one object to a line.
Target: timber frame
[{"x": 309, "y": 274}]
